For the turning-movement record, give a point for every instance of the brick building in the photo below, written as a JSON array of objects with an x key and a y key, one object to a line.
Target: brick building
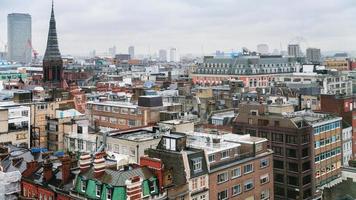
[
  {"x": 345, "y": 107},
  {"x": 306, "y": 145}
]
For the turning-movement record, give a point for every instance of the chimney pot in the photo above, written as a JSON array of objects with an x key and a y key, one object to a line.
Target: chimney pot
[
  {"x": 66, "y": 166},
  {"x": 84, "y": 162},
  {"x": 99, "y": 164},
  {"x": 47, "y": 170}
]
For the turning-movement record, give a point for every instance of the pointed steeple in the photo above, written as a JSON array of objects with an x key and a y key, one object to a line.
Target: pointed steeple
[{"x": 52, "y": 50}]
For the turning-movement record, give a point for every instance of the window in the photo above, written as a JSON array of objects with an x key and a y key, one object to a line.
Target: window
[
  {"x": 305, "y": 152},
  {"x": 306, "y": 179},
  {"x": 122, "y": 121},
  {"x": 291, "y": 139},
  {"x": 80, "y": 145},
  {"x": 236, "y": 189},
  {"x": 293, "y": 167},
  {"x": 84, "y": 186},
  {"x": 195, "y": 184},
  {"x": 265, "y": 194},
  {"x": 248, "y": 168},
  {"x": 264, "y": 163},
  {"x": 292, "y": 153},
  {"x": 236, "y": 172},
  {"x": 278, "y": 164},
  {"x": 197, "y": 164},
  {"x": 264, "y": 179},
  {"x": 124, "y": 110},
  {"x": 202, "y": 181},
  {"x": 222, "y": 177},
  {"x": 108, "y": 194},
  {"x": 132, "y": 122},
  {"x": 277, "y": 150},
  {"x": 306, "y": 166},
  {"x": 279, "y": 178},
  {"x": 222, "y": 195},
  {"x": 211, "y": 158},
  {"x": 248, "y": 185},
  {"x": 293, "y": 180},
  {"x": 277, "y": 137},
  {"x": 224, "y": 154},
  {"x": 98, "y": 190}
]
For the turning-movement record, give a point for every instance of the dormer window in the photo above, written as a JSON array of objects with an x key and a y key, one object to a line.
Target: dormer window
[
  {"x": 169, "y": 144},
  {"x": 224, "y": 154},
  {"x": 197, "y": 164},
  {"x": 98, "y": 190},
  {"x": 108, "y": 194},
  {"x": 84, "y": 186}
]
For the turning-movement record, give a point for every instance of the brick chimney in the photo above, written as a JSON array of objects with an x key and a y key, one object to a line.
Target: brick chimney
[
  {"x": 47, "y": 170},
  {"x": 84, "y": 162},
  {"x": 99, "y": 164},
  {"x": 66, "y": 165},
  {"x": 30, "y": 168}
]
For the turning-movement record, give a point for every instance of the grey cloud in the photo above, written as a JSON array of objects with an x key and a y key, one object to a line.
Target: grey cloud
[{"x": 189, "y": 25}]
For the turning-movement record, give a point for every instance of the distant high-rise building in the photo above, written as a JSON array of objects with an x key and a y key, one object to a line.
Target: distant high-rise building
[
  {"x": 162, "y": 55},
  {"x": 313, "y": 55},
  {"x": 173, "y": 55},
  {"x": 132, "y": 51},
  {"x": 52, "y": 60},
  {"x": 294, "y": 50},
  {"x": 112, "y": 51},
  {"x": 263, "y": 49},
  {"x": 19, "y": 37}
]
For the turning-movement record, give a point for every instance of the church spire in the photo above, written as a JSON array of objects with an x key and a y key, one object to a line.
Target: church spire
[{"x": 52, "y": 50}]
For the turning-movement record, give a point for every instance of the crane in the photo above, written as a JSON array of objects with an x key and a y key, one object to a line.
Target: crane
[{"x": 34, "y": 52}]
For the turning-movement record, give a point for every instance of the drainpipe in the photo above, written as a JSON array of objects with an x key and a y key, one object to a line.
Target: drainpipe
[{"x": 137, "y": 154}]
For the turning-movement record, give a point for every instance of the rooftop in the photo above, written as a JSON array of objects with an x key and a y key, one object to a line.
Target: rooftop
[{"x": 209, "y": 142}]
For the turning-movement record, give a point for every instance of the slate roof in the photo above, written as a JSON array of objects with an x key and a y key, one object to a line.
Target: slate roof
[{"x": 118, "y": 178}]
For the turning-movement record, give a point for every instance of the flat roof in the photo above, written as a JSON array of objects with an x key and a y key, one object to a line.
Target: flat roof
[
  {"x": 137, "y": 136},
  {"x": 205, "y": 141},
  {"x": 114, "y": 103}
]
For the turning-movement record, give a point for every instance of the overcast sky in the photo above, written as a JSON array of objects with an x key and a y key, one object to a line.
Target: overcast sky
[{"x": 192, "y": 26}]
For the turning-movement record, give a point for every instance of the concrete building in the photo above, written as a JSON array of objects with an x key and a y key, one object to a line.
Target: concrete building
[
  {"x": 346, "y": 139},
  {"x": 313, "y": 56},
  {"x": 79, "y": 137},
  {"x": 131, "y": 144},
  {"x": 124, "y": 115},
  {"x": 294, "y": 50},
  {"x": 162, "y": 55},
  {"x": 306, "y": 145},
  {"x": 173, "y": 55},
  {"x": 40, "y": 112},
  {"x": 254, "y": 71},
  {"x": 131, "y": 51},
  {"x": 330, "y": 82},
  {"x": 14, "y": 124},
  {"x": 57, "y": 126},
  {"x": 263, "y": 49},
  {"x": 19, "y": 35},
  {"x": 338, "y": 64}
]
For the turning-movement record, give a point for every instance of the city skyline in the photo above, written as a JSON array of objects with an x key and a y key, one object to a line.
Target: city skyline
[{"x": 191, "y": 27}]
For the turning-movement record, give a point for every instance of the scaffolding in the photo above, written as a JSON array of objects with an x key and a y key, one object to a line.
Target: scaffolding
[{"x": 10, "y": 185}]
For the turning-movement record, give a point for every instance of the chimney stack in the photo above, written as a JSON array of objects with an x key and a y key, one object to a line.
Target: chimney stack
[
  {"x": 99, "y": 164},
  {"x": 84, "y": 162},
  {"x": 66, "y": 165},
  {"x": 30, "y": 168},
  {"x": 47, "y": 170}
]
